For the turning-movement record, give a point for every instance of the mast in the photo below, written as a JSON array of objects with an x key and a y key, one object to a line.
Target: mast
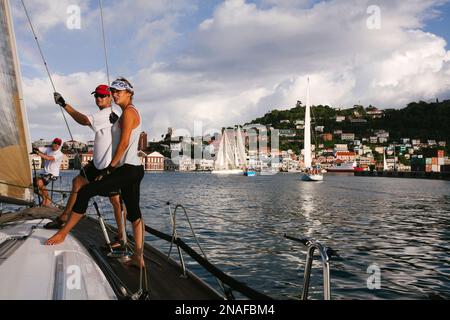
[
  {"x": 307, "y": 156},
  {"x": 236, "y": 156},
  {"x": 219, "y": 164},
  {"x": 385, "y": 166}
]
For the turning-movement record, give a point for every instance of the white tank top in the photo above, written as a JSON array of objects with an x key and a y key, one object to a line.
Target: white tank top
[{"x": 131, "y": 153}]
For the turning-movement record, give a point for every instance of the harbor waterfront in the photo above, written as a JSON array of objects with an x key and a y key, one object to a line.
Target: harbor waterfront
[
  {"x": 405, "y": 174},
  {"x": 397, "y": 225}
]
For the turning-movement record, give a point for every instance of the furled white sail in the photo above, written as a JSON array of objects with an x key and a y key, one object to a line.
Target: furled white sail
[
  {"x": 220, "y": 160},
  {"x": 15, "y": 173},
  {"x": 229, "y": 151},
  {"x": 311, "y": 174}
]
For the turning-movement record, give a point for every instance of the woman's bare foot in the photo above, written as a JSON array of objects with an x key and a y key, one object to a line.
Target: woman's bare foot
[
  {"x": 56, "y": 239},
  {"x": 137, "y": 262}
]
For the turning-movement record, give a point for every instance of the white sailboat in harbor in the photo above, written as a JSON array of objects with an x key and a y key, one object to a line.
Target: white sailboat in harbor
[
  {"x": 231, "y": 158},
  {"x": 310, "y": 174}
]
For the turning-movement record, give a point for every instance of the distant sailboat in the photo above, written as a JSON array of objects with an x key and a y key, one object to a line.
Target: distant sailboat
[
  {"x": 311, "y": 174},
  {"x": 231, "y": 157},
  {"x": 242, "y": 154}
]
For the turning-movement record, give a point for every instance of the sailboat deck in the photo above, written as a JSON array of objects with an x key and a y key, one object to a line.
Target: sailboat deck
[{"x": 163, "y": 275}]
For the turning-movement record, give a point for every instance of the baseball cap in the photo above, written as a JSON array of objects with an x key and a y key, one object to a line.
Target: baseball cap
[
  {"x": 57, "y": 141},
  {"x": 102, "y": 89}
]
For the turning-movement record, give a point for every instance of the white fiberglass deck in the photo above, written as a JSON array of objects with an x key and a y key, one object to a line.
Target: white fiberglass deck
[{"x": 34, "y": 271}]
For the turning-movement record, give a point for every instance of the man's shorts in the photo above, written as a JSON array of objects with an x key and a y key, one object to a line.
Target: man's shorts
[
  {"x": 90, "y": 172},
  {"x": 47, "y": 178}
]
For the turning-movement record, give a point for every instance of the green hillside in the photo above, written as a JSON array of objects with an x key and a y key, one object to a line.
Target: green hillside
[{"x": 420, "y": 120}]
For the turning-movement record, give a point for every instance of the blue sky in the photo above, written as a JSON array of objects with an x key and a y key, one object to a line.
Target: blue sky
[
  {"x": 221, "y": 63},
  {"x": 441, "y": 24}
]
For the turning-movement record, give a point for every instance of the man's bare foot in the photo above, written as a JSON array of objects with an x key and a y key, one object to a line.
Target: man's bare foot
[{"x": 56, "y": 239}]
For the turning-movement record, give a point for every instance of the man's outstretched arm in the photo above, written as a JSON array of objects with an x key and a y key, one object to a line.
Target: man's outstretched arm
[
  {"x": 77, "y": 116},
  {"x": 43, "y": 155}
]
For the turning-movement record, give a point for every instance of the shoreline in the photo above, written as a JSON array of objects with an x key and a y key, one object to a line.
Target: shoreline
[{"x": 405, "y": 174}]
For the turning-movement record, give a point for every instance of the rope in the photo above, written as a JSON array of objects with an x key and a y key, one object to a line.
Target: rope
[
  {"x": 51, "y": 80},
  {"x": 142, "y": 270},
  {"x": 104, "y": 46},
  {"x": 45, "y": 64},
  {"x": 32, "y": 188},
  {"x": 216, "y": 272},
  {"x": 276, "y": 234},
  {"x": 236, "y": 222},
  {"x": 39, "y": 47},
  {"x": 49, "y": 76}
]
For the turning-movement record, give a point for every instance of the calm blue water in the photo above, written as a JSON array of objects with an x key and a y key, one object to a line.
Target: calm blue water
[{"x": 400, "y": 225}]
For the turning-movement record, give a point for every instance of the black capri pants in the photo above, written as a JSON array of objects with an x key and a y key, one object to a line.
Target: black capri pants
[{"x": 126, "y": 178}]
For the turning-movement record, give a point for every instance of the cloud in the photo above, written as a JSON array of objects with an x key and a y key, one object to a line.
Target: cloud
[
  {"x": 248, "y": 58},
  {"x": 47, "y": 15},
  {"x": 146, "y": 27},
  {"x": 349, "y": 63}
]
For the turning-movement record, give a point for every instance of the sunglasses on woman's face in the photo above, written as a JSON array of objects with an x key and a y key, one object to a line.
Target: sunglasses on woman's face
[{"x": 102, "y": 96}]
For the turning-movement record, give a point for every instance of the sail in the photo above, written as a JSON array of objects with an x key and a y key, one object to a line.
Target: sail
[
  {"x": 220, "y": 160},
  {"x": 241, "y": 148},
  {"x": 15, "y": 173},
  {"x": 231, "y": 154},
  {"x": 229, "y": 151},
  {"x": 307, "y": 156}
]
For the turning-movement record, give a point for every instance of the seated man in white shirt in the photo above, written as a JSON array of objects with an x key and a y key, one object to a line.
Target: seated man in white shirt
[
  {"x": 101, "y": 124},
  {"x": 53, "y": 158}
]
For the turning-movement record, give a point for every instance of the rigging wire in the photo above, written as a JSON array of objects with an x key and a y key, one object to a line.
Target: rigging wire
[
  {"x": 143, "y": 280},
  {"x": 105, "y": 49},
  {"x": 53, "y": 85},
  {"x": 275, "y": 234},
  {"x": 104, "y": 40},
  {"x": 45, "y": 64},
  {"x": 54, "y": 90}
]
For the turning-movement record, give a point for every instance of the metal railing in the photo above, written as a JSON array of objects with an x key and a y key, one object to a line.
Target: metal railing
[
  {"x": 173, "y": 219},
  {"x": 225, "y": 282},
  {"x": 325, "y": 254},
  {"x": 227, "y": 292}
]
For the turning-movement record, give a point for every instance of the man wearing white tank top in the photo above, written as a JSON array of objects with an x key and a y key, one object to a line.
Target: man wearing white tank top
[{"x": 125, "y": 171}]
